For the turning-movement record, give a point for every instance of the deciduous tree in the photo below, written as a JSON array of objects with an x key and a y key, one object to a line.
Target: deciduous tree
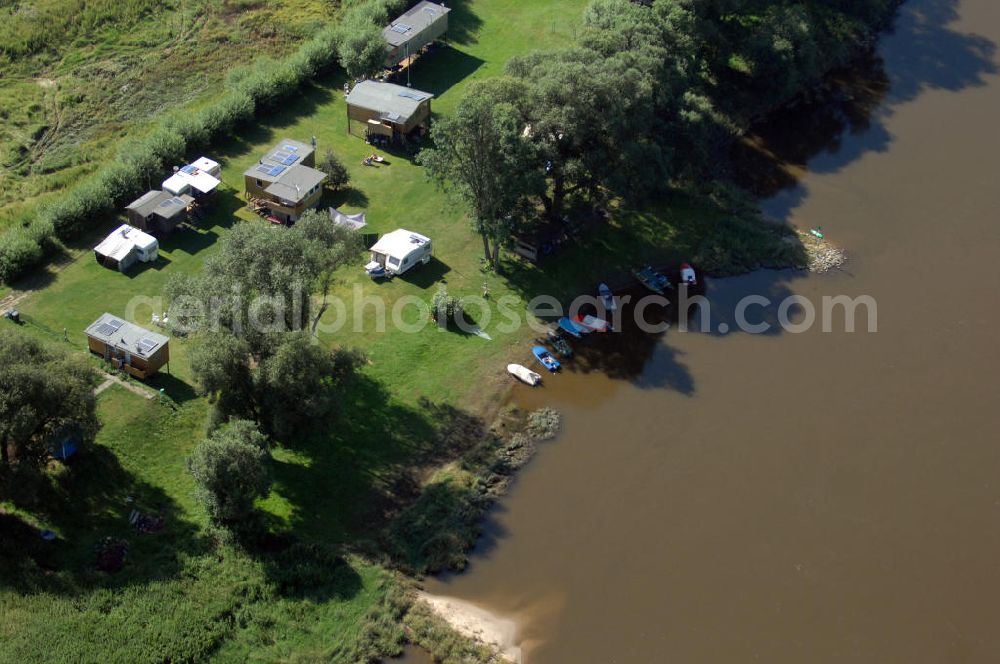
[
  {"x": 43, "y": 393},
  {"x": 481, "y": 155}
]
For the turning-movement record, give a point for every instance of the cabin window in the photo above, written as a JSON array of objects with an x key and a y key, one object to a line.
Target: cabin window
[
  {"x": 260, "y": 184},
  {"x": 393, "y": 262}
]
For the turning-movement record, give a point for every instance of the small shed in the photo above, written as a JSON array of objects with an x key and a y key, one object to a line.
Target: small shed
[
  {"x": 158, "y": 212},
  {"x": 388, "y": 109},
  {"x": 136, "y": 350},
  {"x": 426, "y": 22},
  {"x": 126, "y": 246}
]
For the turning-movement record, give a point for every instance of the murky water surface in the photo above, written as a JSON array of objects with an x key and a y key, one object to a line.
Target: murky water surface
[{"x": 810, "y": 497}]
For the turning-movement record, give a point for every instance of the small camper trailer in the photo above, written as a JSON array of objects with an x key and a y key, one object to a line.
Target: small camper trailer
[
  {"x": 126, "y": 246},
  {"x": 397, "y": 252}
]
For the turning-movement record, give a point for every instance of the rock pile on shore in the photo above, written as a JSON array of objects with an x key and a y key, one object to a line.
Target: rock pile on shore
[{"x": 822, "y": 254}]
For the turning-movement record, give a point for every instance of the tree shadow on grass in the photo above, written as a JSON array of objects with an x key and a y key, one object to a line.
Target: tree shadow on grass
[
  {"x": 345, "y": 483},
  {"x": 463, "y": 23},
  {"x": 179, "y": 391},
  {"x": 439, "y": 71},
  {"x": 94, "y": 498}
]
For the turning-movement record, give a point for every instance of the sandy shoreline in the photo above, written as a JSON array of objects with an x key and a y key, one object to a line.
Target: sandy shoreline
[{"x": 476, "y": 623}]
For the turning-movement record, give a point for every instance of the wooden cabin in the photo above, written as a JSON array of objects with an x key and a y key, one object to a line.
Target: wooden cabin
[
  {"x": 387, "y": 109},
  {"x": 133, "y": 349},
  {"x": 426, "y": 22},
  {"x": 158, "y": 212},
  {"x": 285, "y": 182}
]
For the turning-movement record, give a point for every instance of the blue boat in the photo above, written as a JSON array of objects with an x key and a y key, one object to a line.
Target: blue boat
[
  {"x": 545, "y": 358},
  {"x": 652, "y": 280},
  {"x": 572, "y": 328}
]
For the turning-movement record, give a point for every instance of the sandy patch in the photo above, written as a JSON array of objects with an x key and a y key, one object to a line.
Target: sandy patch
[{"x": 476, "y": 623}]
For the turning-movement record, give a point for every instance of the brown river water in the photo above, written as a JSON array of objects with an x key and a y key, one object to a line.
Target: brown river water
[{"x": 797, "y": 497}]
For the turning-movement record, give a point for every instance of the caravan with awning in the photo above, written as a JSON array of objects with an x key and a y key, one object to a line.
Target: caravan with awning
[{"x": 397, "y": 252}]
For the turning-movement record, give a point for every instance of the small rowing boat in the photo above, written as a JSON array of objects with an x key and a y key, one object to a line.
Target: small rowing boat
[
  {"x": 653, "y": 280},
  {"x": 593, "y": 323},
  {"x": 524, "y": 374},
  {"x": 560, "y": 345},
  {"x": 607, "y": 297},
  {"x": 688, "y": 275},
  {"x": 572, "y": 328},
  {"x": 545, "y": 358}
]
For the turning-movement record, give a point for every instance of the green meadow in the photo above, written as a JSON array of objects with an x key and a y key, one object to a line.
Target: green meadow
[{"x": 183, "y": 595}]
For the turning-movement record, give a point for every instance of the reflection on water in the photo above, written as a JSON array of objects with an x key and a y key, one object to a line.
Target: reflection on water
[
  {"x": 788, "y": 497},
  {"x": 774, "y": 153}
]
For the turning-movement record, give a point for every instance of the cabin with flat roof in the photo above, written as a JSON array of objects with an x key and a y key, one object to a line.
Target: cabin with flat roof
[
  {"x": 423, "y": 24},
  {"x": 387, "y": 109},
  {"x": 283, "y": 184},
  {"x": 128, "y": 347},
  {"x": 158, "y": 212},
  {"x": 200, "y": 179}
]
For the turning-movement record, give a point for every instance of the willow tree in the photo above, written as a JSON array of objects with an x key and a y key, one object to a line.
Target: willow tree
[{"x": 481, "y": 155}]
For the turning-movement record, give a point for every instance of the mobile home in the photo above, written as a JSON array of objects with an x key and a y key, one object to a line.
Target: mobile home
[
  {"x": 125, "y": 247},
  {"x": 397, "y": 252}
]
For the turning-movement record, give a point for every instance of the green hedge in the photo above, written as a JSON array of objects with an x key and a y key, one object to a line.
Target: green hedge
[{"x": 139, "y": 161}]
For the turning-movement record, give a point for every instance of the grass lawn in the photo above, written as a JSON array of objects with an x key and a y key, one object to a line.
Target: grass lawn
[{"x": 181, "y": 597}]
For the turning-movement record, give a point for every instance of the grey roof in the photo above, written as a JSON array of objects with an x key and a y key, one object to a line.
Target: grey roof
[
  {"x": 121, "y": 334},
  {"x": 295, "y": 182},
  {"x": 414, "y": 21},
  {"x": 161, "y": 203},
  {"x": 279, "y": 158},
  {"x": 393, "y": 102}
]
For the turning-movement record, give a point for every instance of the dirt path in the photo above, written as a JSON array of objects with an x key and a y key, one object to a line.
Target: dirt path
[{"x": 131, "y": 387}]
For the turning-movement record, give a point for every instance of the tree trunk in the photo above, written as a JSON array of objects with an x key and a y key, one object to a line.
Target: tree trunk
[
  {"x": 4, "y": 453},
  {"x": 558, "y": 197},
  {"x": 495, "y": 259},
  {"x": 486, "y": 246}
]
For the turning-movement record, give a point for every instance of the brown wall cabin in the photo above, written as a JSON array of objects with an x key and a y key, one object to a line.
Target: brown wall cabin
[
  {"x": 158, "y": 212},
  {"x": 388, "y": 109},
  {"x": 285, "y": 180},
  {"x": 133, "y": 349}
]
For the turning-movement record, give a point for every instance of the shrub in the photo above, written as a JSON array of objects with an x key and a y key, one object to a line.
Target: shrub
[
  {"x": 444, "y": 307},
  {"x": 230, "y": 470},
  {"x": 18, "y": 252},
  {"x": 336, "y": 172},
  {"x": 543, "y": 424}
]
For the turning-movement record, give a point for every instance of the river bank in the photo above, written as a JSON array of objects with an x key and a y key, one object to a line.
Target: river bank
[{"x": 831, "y": 486}]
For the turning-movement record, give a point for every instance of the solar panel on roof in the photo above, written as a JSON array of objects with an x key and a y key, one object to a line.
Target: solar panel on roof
[
  {"x": 276, "y": 170},
  {"x": 190, "y": 168},
  {"x": 264, "y": 168},
  {"x": 413, "y": 95},
  {"x": 115, "y": 324},
  {"x": 104, "y": 330},
  {"x": 290, "y": 148},
  {"x": 146, "y": 345},
  {"x": 166, "y": 203},
  {"x": 401, "y": 28},
  {"x": 284, "y": 158}
]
